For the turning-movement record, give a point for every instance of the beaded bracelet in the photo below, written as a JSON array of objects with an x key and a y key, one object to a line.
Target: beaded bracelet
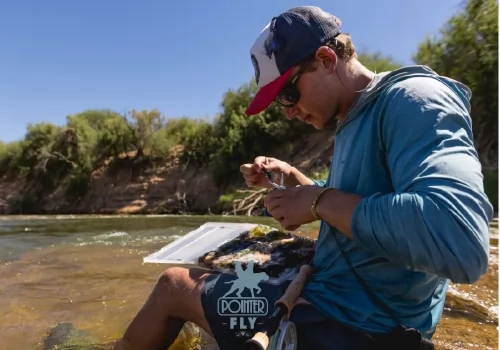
[{"x": 315, "y": 202}]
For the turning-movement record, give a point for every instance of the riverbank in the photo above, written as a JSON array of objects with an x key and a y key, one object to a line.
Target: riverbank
[
  {"x": 131, "y": 185},
  {"x": 126, "y": 187}
]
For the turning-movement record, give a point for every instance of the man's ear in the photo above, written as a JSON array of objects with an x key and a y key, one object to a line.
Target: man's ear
[{"x": 327, "y": 58}]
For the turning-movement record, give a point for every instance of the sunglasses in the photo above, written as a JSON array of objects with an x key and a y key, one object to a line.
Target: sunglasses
[{"x": 289, "y": 95}]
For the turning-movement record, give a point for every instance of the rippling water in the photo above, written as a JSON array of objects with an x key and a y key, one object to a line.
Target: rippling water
[{"x": 88, "y": 271}]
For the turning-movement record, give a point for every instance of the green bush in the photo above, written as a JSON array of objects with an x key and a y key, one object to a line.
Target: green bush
[{"x": 10, "y": 158}]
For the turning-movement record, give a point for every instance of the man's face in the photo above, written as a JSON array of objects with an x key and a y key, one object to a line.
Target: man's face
[{"x": 316, "y": 86}]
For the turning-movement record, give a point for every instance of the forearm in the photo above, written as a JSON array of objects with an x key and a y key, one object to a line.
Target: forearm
[
  {"x": 297, "y": 178},
  {"x": 336, "y": 208}
]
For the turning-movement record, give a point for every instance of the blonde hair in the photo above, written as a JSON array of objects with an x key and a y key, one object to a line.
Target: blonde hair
[
  {"x": 342, "y": 45},
  {"x": 344, "y": 48}
]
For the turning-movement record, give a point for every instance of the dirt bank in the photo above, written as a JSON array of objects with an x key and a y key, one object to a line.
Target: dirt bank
[{"x": 166, "y": 186}]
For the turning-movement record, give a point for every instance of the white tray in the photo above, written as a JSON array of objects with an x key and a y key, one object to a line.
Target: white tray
[
  {"x": 207, "y": 237},
  {"x": 186, "y": 250}
]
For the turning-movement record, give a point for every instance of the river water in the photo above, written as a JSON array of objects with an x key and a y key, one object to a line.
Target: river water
[{"x": 89, "y": 272}]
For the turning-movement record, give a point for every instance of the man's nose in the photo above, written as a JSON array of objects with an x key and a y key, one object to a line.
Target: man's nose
[{"x": 291, "y": 112}]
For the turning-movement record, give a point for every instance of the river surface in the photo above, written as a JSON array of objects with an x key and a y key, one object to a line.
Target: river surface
[{"x": 88, "y": 271}]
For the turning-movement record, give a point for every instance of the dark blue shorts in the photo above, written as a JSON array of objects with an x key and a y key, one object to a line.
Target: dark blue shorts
[{"x": 234, "y": 319}]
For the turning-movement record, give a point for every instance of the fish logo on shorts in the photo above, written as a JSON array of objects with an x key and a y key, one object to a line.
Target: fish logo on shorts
[
  {"x": 246, "y": 279},
  {"x": 244, "y": 311}
]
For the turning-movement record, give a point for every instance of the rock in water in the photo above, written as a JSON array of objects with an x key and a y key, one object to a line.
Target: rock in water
[
  {"x": 64, "y": 336},
  {"x": 192, "y": 337}
]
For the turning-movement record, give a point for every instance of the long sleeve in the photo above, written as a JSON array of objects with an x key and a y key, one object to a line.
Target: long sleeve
[
  {"x": 320, "y": 183},
  {"x": 437, "y": 218}
]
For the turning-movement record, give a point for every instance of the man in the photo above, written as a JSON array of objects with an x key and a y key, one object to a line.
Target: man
[{"x": 404, "y": 200}]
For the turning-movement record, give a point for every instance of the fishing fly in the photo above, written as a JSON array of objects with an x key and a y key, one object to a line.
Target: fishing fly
[
  {"x": 281, "y": 186},
  {"x": 269, "y": 176}
]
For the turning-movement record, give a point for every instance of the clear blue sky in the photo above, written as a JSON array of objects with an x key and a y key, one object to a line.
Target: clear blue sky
[{"x": 59, "y": 57}]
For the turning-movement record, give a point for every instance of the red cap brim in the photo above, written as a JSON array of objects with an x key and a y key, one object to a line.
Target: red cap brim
[{"x": 267, "y": 94}]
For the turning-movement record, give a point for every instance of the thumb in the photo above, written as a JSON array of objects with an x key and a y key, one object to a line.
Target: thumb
[
  {"x": 260, "y": 162},
  {"x": 273, "y": 165}
]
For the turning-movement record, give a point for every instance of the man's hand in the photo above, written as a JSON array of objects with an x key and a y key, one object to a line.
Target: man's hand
[
  {"x": 255, "y": 177},
  {"x": 292, "y": 206}
]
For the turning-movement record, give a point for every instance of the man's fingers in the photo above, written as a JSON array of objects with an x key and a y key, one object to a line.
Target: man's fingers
[
  {"x": 275, "y": 195},
  {"x": 253, "y": 184},
  {"x": 274, "y": 167},
  {"x": 247, "y": 169},
  {"x": 272, "y": 208},
  {"x": 253, "y": 177},
  {"x": 256, "y": 167},
  {"x": 273, "y": 200},
  {"x": 286, "y": 225},
  {"x": 260, "y": 161}
]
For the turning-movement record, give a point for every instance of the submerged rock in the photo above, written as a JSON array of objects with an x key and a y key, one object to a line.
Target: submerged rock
[
  {"x": 192, "y": 337},
  {"x": 64, "y": 336}
]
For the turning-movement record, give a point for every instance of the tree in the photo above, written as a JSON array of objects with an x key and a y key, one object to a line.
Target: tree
[
  {"x": 10, "y": 158},
  {"x": 145, "y": 124},
  {"x": 467, "y": 50},
  {"x": 96, "y": 118},
  {"x": 37, "y": 147}
]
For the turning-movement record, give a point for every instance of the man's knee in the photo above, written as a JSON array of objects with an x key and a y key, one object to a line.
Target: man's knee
[
  {"x": 170, "y": 281},
  {"x": 179, "y": 290},
  {"x": 180, "y": 280}
]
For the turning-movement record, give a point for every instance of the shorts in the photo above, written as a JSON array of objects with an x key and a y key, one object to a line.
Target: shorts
[{"x": 233, "y": 319}]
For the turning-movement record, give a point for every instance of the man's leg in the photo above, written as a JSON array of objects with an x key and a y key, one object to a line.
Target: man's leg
[{"x": 175, "y": 299}]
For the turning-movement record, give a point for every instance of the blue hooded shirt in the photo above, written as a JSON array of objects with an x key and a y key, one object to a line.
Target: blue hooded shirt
[{"x": 407, "y": 147}]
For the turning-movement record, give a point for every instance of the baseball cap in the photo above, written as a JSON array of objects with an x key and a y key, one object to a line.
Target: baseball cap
[{"x": 284, "y": 42}]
